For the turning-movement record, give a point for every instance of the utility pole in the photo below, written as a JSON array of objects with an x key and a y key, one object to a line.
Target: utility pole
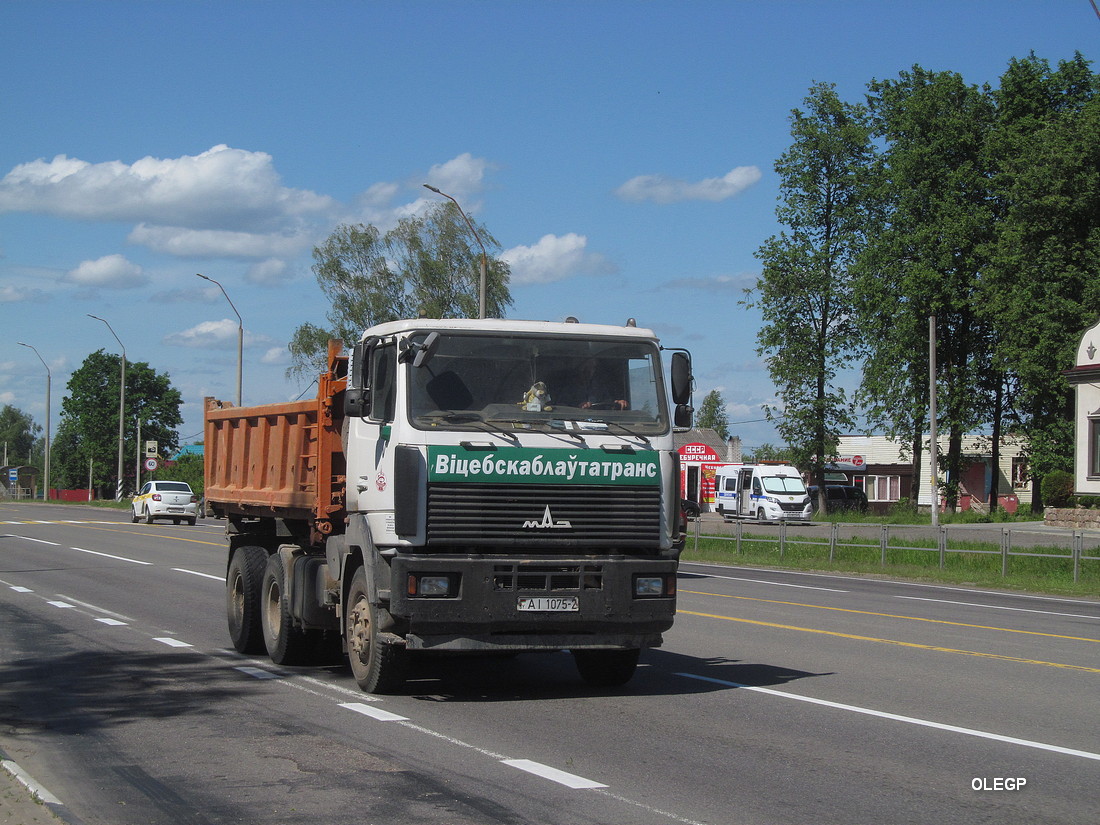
[
  {"x": 484, "y": 262},
  {"x": 121, "y": 410},
  {"x": 934, "y": 457}
]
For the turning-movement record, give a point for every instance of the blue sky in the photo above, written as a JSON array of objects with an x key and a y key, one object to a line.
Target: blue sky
[{"x": 621, "y": 152}]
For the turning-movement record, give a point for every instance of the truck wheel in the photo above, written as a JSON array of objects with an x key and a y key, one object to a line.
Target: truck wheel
[
  {"x": 606, "y": 668},
  {"x": 377, "y": 664},
  {"x": 242, "y": 595},
  {"x": 287, "y": 644},
  {"x": 761, "y": 515}
]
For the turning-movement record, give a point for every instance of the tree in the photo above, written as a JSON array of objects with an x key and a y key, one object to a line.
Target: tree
[
  {"x": 1040, "y": 291},
  {"x": 804, "y": 292},
  {"x": 18, "y": 433},
  {"x": 429, "y": 263},
  {"x": 89, "y": 420},
  {"x": 712, "y": 414},
  {"x": 930, "y": 198}
]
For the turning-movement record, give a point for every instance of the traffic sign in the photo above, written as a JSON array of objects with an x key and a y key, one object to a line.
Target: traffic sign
[{"x": 150, "y": 464}]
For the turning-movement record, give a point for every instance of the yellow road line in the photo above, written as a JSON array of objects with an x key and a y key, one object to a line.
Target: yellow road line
[
  {"x": 894, "y": 616},
  {"x": 935, "y": 648}
]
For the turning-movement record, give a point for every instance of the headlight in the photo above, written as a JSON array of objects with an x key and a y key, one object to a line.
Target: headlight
[
  {"x": 654, "y": 587},
  {"x": 432, "y": 585}
]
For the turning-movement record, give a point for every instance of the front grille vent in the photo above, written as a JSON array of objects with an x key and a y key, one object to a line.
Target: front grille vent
[
  {"x": 544, "y": 516},
  {"x": 547, "y": 578}
]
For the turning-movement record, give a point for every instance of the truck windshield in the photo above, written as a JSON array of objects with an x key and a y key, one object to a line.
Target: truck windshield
[
  {"x": 526, "y": 382},
  {"x": 786, "y": 485}
]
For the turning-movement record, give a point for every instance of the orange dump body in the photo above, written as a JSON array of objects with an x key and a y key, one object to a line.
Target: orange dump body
[{"x": 280, "y": 460}]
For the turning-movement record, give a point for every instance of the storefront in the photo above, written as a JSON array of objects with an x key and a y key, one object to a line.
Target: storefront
[{"x": 698, "y": 463}]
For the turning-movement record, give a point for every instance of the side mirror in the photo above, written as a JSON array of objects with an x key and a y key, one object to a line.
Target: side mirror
[
  {"x": 681, "y": 378},
  {"x": 357, "y": 395},
  {"x": 357, "y": 403},
  {"x": 420, "y": 352},
  {"x": 682, "y": 418}
]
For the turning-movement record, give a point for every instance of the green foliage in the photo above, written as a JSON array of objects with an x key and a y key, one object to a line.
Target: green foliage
[
  {"x": 712, "y": 414},
  {"x": 769, "y": 452},
  {"x": 1057, "y": 488},
  {"x": 89, "y": 421},
  {"x": 18, "y": 431},
  {"x": 429, "y": 263},
  {"x": 1088, "y": 502},
  {"x": 804, "y": 293}
]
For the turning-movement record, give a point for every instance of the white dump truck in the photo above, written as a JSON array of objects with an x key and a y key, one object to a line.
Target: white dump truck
[{"x": 462, "y": 486}]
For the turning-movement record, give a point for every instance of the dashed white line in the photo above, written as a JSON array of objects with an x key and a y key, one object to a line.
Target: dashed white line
[
  {"x": 257, "y": 672},
  {"x": 62, "y": 605},
  {"x": 373, "y": 712},
  {"x": 112, "y": 622},
  {"x": 197, "y": 573},
  {"x": 570, "y": 780},
  {"x": 19, "y": 589},
  {"x": 109, "y": 556},
  {"x": 168, "y": 640}
]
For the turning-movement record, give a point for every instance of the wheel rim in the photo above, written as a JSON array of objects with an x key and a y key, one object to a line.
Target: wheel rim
[
  {"x": 272, "y": 608},
  {"x": 359, "y": 631}
]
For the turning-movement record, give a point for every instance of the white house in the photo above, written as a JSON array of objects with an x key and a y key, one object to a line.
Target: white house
[
  {"x": 876, "y": 464},
  {"x": 1085, "y": 376}
]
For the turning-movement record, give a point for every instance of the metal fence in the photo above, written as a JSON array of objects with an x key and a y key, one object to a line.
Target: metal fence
[{"x": 1073, "y": 543}]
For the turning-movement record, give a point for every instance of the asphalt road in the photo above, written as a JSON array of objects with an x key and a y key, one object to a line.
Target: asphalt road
[{"x": 778, "y": 698}]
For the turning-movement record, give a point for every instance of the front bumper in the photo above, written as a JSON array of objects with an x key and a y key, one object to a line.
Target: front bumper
[{"x": 482, "y": 613}]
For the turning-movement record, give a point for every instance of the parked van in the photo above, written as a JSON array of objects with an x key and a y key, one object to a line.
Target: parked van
[{"x": 767, "y": 492}]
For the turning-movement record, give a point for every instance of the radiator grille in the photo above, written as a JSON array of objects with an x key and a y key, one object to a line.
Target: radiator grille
[
  {"x": 545, "y": 516},
  {"x": 548, "y": 578}
]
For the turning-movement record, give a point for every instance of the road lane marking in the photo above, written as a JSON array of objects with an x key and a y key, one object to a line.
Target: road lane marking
[
  {"x": 373, "y": 712},
  {"x": 95, "y": 608},
  {"x": 110, "y": 556},
  {"x": 758, "y": 581},
  {"x": 570, "y": 780},
  {"x": 64, "y": 605},
  {"x": 112, "y": 622},
  {"x": 19, "y": 589},
  {"x": 895, "y": 616},
  {"x": 168, "y": 640},
  {"x": 911, "y": 720},
  {"x": 37, "y": 541},
  {"x": 914, "y": 645},
  {"x": 257, "y": 672},
  {"x": 1001, "y": 607},
  {"x": 197, "y": 573}
]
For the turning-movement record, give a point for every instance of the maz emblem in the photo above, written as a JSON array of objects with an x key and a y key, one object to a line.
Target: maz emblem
[{"x": 548, "y": 523}]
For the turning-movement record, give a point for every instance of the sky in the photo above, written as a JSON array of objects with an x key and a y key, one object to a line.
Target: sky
[{"x": 621, "y": 153}]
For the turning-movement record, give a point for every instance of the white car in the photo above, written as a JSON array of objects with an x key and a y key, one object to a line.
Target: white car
[{"x": 165, "y": 499}]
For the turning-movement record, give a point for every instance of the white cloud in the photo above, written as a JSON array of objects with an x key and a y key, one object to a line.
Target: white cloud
[
  {"x": 662, "y": 189},
  {"x": 112, "y": 271},
  {"x": 211, "y": 243},
  {"x": 268, "y": 273},
  {"x": 276, "y": 355},
  {"x": 221, "y": 187},
  {"x": 214, "y": 335},
  {"x": 462, "y": 175},
  {"x": 10, "y": 294},
  {"x": 554, "y": 258}
]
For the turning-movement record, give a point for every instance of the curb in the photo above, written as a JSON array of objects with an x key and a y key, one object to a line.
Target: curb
[{"x": 51, "y": 802}]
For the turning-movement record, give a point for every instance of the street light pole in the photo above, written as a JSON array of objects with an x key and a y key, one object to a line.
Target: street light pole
[
  {"x": 240, "y": 334},
  {"x": 49, "y": 377},
  {"x": 121, "y": 408},
  {"x": 484, "y": 267}
]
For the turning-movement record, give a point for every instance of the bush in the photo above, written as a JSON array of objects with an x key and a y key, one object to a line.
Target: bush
[
  {"x": 1057, "y": 488},
  {"x": 1088, "y": 502}
]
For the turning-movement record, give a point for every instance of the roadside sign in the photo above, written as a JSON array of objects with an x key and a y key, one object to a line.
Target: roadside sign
[
  {"x": 150, "y": 464},
  {"x": 151, "y": 449}
]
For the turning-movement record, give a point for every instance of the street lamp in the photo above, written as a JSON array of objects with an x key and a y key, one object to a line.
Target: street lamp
[
  {"x": 49, "y": 377},
  {"x": 240, "y": 334},
  {"x": 481, "y": 294},
  {"x": 121, "y": 409}
]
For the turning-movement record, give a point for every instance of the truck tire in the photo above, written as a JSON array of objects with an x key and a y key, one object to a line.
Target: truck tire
[
  {"x": 242, "y": 596},
  {"x": 606, "y": 668},
  {"x": 287, "y": 644},
  {"x": 378, "y": 664}
]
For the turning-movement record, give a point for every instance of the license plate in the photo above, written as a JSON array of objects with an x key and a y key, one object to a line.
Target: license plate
[{"x": 566, "y": 604}]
